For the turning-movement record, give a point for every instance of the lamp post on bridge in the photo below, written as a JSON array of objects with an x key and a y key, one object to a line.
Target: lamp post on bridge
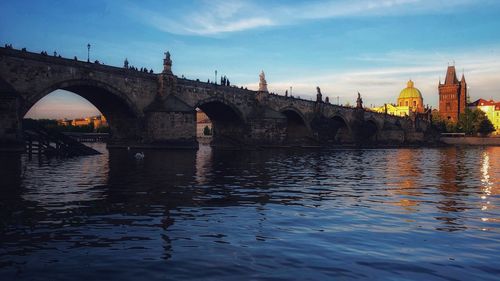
[
  {"x": 88, "y": 52},
  {"x": 215, "y": 77}
]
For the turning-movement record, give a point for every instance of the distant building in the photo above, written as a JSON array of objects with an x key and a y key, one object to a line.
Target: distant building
[
  {"x": 80, "y": 122},
  {"x": 496, "y": 124},
  {"x": 202, "y": 121},
  {"x": 491, "y": 109},
  {"x": 409, "y": 101},
  {"x": 99, "y": 121},
  {"x": 201, "y": 117},
  {"x": 64, "y": 122},
  {"x": 392, "y": 109},
  {"x": 412, "y": 98},
  {"x": 452, "y": 96}
]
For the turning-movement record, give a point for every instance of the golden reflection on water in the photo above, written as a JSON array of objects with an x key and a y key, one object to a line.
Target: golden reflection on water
[
  {"x": 453, "y": 172},
  {"x": 404, "y": 174},
  {"x": 489, "y": 183}
]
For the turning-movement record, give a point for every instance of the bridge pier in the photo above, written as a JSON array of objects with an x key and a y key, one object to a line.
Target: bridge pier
[
  {"x": 267, "y": 127},
  {"x": 10, "y": 123},
  {"x": 169, "y": 122}
]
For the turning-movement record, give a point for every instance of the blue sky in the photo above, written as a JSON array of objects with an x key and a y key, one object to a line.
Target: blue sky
[{"x": 344, "y": 47}]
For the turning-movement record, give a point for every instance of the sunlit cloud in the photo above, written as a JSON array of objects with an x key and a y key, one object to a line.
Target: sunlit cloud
[{"x": 383, "y": 84}]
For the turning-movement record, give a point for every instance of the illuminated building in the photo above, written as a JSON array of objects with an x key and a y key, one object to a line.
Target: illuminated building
[
  {"x": 491, "y": 109},
  {"x": 99, "y": 121},
  {"x": 80, "y": 122},
  {"x": 452, "y": 96},
  {"x": 202, "y": 121},
  {"x": 409, "y": 100},
  {"x": 392, "y": 109}
]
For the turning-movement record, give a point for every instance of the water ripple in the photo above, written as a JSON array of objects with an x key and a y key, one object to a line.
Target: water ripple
[{"x": 382, "y": 214}]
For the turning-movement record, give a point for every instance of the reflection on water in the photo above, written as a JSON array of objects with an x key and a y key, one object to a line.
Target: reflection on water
[{"x": 276, "y": 214}]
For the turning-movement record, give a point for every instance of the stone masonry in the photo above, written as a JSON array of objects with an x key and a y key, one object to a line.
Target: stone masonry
[{"x": 159, "y": 110}]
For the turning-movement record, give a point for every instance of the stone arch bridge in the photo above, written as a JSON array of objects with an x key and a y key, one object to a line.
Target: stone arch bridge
[{"x": 159, "y": 110}]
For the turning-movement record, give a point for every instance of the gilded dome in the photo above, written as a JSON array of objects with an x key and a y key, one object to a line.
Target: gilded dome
[{"x": 410, "y": 92}]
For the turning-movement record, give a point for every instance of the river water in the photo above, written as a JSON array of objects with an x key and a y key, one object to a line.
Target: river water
[{"x": 381, "y": 214}]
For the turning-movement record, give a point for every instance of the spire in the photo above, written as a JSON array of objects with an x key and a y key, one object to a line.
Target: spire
[
  {"x": 451, "y": 76},
  {"x": 463, "y": 78},
  {"x": 410, "y": 84}
]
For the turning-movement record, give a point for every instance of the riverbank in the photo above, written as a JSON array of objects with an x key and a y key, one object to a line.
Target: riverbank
[{"x": 490, "y": 141}]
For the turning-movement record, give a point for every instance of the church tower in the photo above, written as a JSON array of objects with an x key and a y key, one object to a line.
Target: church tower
[{"x": 452, "y": 96}]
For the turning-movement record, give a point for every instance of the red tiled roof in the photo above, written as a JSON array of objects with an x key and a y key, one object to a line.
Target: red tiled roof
[{"x": 482, "y": 102}]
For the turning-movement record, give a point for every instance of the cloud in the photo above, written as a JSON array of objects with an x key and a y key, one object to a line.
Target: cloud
[
  {"x": 209, "y": 18},
  {"x": 382, "y": 84}
]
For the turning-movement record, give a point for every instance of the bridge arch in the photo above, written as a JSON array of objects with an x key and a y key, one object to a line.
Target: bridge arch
[
  {"x": 341, "y": 129},
  {"x": 298, "y": 129},
  {"x": 228, "y": 123},
  {"x": 227, "y": 108},
  {"x": 370, "y": 130},
  {"x": 122, "y": 114},
  {"x": 96, "y": 92}
]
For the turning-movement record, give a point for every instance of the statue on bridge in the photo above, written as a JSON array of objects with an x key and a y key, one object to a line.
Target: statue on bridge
[
  {"x": 167, "y": 63},
  {"x": 319, "y": 96},
  {"x": 359, "y": 101},
  {"x": 263, "y": 82}
]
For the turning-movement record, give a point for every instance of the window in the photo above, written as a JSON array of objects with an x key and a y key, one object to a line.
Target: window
[
  {"x": 406, "y": 103},
  {"x": 414, "y": 103}
]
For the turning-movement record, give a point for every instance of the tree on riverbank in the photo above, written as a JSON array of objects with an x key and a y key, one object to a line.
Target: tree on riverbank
[
  {"x": 485, "y": 127},
  {"x": 471, "y": 122},
  {"x": 207, "y": 131}
]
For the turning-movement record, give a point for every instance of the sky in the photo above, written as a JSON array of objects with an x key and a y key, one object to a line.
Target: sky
[{"x": 343, "y": 46}]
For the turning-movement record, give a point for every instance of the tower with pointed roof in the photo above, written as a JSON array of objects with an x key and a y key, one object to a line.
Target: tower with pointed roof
[{"x": 452, "y": 96}]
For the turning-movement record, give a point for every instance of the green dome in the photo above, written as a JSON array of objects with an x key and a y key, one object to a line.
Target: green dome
[{"x": 410, "y": 92}]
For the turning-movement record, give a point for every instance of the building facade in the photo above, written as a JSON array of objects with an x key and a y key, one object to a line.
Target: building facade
[
  {"x": 411, "y": 97},
  {"x": 496, "y": 124},
  {"x": 491, "y": 109},
  {"x": 452, "y": 96},
  {"x": 409, "y": 101},
  {"x": 392, "y": 109},
  {"x": 202, "y": 121}
]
